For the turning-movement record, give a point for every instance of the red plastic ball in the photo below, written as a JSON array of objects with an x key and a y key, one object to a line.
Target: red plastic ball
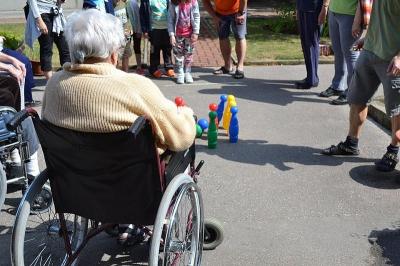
[
  {"x": 179, "y": 101},
  {"x": 213, "y": 107}
]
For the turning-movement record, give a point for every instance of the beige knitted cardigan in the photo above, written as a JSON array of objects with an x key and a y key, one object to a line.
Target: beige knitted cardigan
[{"x": 101, "y": 98}]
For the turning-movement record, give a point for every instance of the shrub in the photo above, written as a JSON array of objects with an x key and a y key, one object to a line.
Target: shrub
[{"x": 11, "y": 41}]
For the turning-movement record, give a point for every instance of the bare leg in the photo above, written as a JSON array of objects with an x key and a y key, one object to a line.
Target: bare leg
[
  {"x": 138, "y": 58},
  {"x": 125, "y": 64},
  {"x": 226, "y": 50},
  {"x": 395, "y": 128},
  {"x": 241, "y": 47},
  {"x": 358, "y": 115}
]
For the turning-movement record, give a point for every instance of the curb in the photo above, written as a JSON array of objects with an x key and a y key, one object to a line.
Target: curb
[{"x": 376, "y": 111}]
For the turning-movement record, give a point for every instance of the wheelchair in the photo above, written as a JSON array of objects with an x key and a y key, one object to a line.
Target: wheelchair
[
  {"x": 11, "y": 140},
  {"x": 99, "y": 180}
]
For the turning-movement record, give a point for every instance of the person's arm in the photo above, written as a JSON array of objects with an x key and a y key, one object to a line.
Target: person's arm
[
  {"x": 324, "y": 12},
  {"x": 240, "y": 17},
  {"x": 38, "y": 19},
  {"x": 17, "y": 74},
  {"x": 171, "y": 20},
  {"x": 18, "y": 65},
  {"x": 209, "y": 8},
  {"x": 356, "y": 29},
  {"x": 196, "y": 22},
  {"x": 145, "y": 16}
]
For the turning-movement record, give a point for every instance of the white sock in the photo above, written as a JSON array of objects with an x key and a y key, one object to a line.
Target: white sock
[
  {"x": 14, "y": 156},
  {"x": 32, "y": 167}
]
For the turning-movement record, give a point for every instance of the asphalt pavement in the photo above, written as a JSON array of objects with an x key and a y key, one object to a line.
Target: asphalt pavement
[{"x": 280, "y": 201}]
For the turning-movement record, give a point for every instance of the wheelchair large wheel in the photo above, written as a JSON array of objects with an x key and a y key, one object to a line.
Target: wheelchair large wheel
[
  {"x": 3, "y": 186},
  {"x": 36, "y": 236},
  {"x": 179, "y": 227}
]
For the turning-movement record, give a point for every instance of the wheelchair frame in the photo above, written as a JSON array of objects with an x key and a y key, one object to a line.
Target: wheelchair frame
[
  {"x": 6, "y": 147},
  {"x": 163, "y": 237}
]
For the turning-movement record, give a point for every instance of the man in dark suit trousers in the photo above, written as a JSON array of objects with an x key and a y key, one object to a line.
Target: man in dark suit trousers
[{"x": 311, "y": 15}]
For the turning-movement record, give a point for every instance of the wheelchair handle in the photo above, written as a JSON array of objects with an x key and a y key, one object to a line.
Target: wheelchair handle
[{"x": 16, "y": 121}]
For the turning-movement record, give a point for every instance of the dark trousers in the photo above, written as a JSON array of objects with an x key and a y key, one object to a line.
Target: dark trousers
[
  {"x": 310, "y": 33},
  {"x": 159, "y": 40},
  {"x": 46, "y": 45}
]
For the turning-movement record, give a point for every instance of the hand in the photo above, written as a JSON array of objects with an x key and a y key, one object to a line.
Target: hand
[
  {"x": 239, "y": 19},
  {"x": 322, "y": 15},
  {"x": 172, "y": 40},
  {"x": 19, "y": 66},
  {"x": 18, "y": 74},
  {"x": 41, "y": 25},
  {"x": 358, "y": 45},
  {"x": 394, "y": 67},
  {"x": 145, "y": 35},
  {"x": 194, "y": 38}
]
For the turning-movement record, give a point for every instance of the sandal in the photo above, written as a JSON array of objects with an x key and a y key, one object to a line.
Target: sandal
[
  {"x": 387, "y": 163},
  {"x": 222, "y": 70},
  {"x": 340, "y": 149},
  {"x": 239, "y": 74},
  {"x": 130, "y": 236}
]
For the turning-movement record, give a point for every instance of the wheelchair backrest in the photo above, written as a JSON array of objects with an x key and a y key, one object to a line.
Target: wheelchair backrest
[{"x": 108, "y": 177}]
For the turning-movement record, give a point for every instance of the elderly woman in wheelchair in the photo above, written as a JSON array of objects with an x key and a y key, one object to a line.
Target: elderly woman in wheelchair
[
  {"x": 105, "y": 135},
  {"x": 19, "y": 145}
]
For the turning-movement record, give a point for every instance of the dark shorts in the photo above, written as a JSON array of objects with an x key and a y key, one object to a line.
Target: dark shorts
[
  {"x": 369, "y": 73},
  {"x": 227, "y": 23}
]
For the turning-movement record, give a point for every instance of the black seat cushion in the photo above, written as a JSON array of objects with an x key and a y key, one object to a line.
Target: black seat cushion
[{"x": 111, "y": 177}]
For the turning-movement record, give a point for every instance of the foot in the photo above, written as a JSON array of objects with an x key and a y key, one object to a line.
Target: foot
[
  {"x": 340, "y": 149},
  {"x": 387, "y": 163},
  {"x": 239, "y": 74},
  {"x": 157, "y": 74},
  {"x": 140, "y": 71},
  {"x": 329, "y": 92},
  {"x": 188, "y": 77},
  {"x": 130, "y": 237},
  {"x": 304, "y": 85},
  {"x": 170, "y": 73},
  {"x": 341, "y": 100},
  {"x": 223, "y": 70},
  {"x": 180, "y": 78}
]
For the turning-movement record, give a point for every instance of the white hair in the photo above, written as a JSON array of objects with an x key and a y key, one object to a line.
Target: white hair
[{"x": 91, "y": 33}]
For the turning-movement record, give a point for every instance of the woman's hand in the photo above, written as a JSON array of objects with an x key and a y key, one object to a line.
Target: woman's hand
[
  {"x": 41, "y": 25},
  {"x": 394, "y": 67},
  {"x": 172, "y": 40},
  {"x": 322, "y": 15},
  {"x": 194, "y": 38}
]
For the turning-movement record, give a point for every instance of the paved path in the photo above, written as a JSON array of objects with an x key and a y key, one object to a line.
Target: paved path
[{"x": 281, "y": 202}]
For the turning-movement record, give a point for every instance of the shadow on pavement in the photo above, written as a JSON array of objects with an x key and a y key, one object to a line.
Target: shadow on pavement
[
  {"x": 260, "y": 90},
  {"x": 260, "y": 152},
  {"x": 385, "y": 246},
  {"x": 368, "y": 176}
]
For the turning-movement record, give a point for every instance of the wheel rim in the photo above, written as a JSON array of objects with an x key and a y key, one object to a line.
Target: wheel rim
[
  {"x": 44, "y": 244},
  {"x": 184, "y": 229}
]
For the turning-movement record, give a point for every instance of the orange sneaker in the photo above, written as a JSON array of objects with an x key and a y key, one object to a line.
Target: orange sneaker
[
  {"x": 170, "y": 73},
  {"x": 157, "y": 74}
]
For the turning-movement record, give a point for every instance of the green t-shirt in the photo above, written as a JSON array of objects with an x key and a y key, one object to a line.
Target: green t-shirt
[
  {"x": 345, "y": 7},
  {"x": 159, "y": 12},
  {"x": 383, "y": 36}
]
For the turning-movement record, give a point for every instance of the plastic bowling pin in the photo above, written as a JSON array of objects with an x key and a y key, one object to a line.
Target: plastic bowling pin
[
  {"x": 234, "y": 126},
  {"x": 212, "y": 134},
  {"x": 221, "y": 105},
  {"x": 227, "y": 112}
]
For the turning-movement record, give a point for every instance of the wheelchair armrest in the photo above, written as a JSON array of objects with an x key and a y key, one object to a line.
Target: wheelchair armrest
[
  {"x": 16, "y": 121},
  {"x": 138, "y": 125}
]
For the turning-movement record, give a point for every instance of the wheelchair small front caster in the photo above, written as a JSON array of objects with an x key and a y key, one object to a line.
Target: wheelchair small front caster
[
  {"x": 42, "y": 201},
  {"x": 213, "y": 234}
]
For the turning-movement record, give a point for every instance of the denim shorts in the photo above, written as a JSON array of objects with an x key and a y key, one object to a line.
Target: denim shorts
[
  {"x": 227, "y": 22},
  {"x": 370, "y": 71}
]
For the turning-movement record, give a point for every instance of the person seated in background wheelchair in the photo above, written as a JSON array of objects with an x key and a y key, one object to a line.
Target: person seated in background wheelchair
[
  {"x": 91, "y": 95},
  {"x": 12, "y": 74}
]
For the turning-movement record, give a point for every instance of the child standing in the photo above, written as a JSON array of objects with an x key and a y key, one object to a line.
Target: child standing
[
  {"x": 154, "y": 22},
  {"x": 132, "y": 9},
  {"x": 183, "y": 28}
]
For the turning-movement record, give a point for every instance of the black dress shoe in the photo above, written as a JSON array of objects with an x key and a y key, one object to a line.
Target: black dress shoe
[
  {"x": 330, "y": 92},
  {"x": 341, "y": 100},
  {"x": 301, "y": 85},
  {"x": 33, "y": 103}
]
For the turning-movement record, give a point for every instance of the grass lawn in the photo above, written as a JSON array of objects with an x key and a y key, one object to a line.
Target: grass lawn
[
  {"x": 265, "y": 45},
  {"x": 18, "y": 31}
]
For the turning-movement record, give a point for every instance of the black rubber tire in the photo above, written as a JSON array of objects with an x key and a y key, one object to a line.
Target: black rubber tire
[
  {"x": 213, "y": 234},
  {"x": 3, "y": 186}
]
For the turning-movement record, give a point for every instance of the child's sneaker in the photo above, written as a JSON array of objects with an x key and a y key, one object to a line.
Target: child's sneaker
[
  {"x": 188, "y": 77},
  {"x": 157, "y": 74},
  {"x": 180, "y": 78},
  {"x": 170, "y": 73}
]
